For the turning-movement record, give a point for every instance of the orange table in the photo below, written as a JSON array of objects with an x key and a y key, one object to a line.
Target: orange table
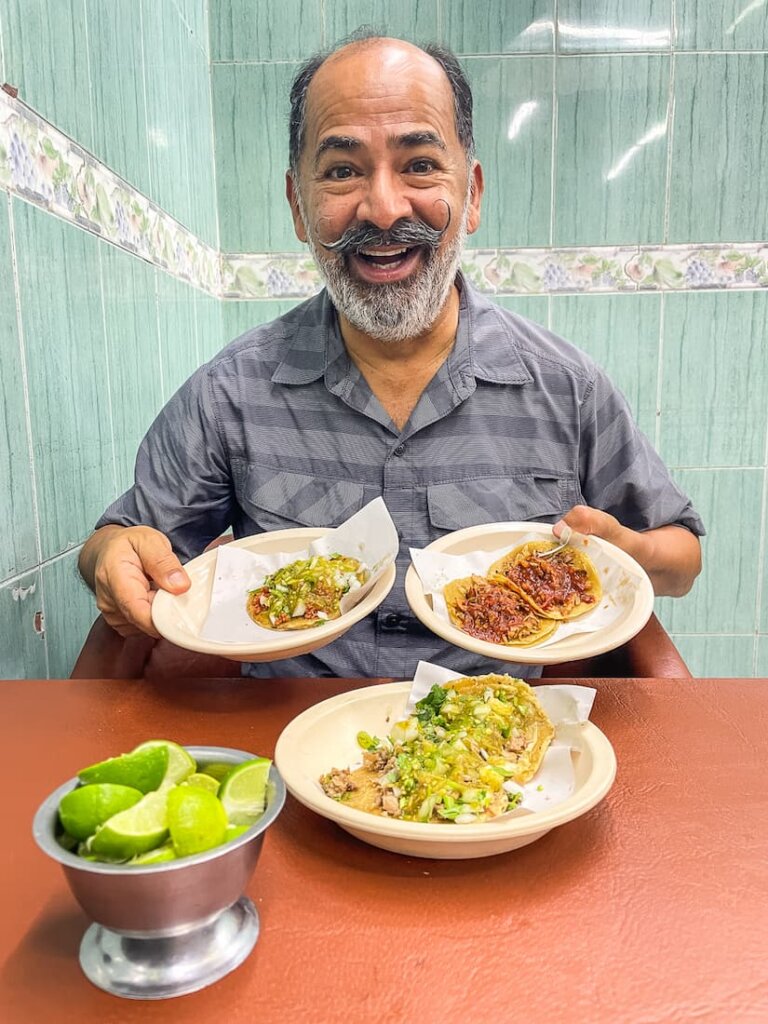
[{"x": 653, "y": 907}]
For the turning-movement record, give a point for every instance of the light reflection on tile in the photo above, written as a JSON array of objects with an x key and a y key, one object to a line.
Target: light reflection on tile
[
  {"x": 611, "y": 149},
  {"x": 613, "y": 25},
  {"x": 497, "y": 26},
  {"x": 722, "y": 25}
]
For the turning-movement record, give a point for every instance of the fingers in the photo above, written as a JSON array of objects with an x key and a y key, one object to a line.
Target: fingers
[
  {"x": 589, "y": 522},
  {"x": 159, "y": 562}
]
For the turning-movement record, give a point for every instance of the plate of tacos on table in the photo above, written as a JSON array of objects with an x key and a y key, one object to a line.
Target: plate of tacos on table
[{"x": 503, "y": 590}]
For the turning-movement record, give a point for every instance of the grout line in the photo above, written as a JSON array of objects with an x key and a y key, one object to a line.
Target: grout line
[
  {"x": 670, "y": 147},
  {"x": 659, "y": 377},
  {"x": 27, "y": 412},
  {"x": 150, "y": 186},
  {"x": 2, "y": 51},
  {"x": 108, "y": 369},
  {"x": 555, "y": 116},
  {"x": 39, "y": 566},
  {"x": 159, "y": 340},
  {"x": 90, "y": 77},
  {"x": 761, "y": 554},
  {"x": 213, "y": 149},
  {"x": 543, "y": 54}
]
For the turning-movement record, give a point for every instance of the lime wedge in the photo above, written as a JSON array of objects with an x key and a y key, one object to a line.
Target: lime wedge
[
  {"x": 201, "y": 780},
  {"x": 243, "y": 792},
  {"x": 218, "y": 769},
  {"x": 142, "y": 827},
  {"x": 233, "y": 831},
  {"x": 141, "y": 769},
  {"x": 196, "y": 820},
  {"x": 180, "y": 763},
  {"x": 87, "y": 807},
  {"x": 158, "y": 856}
]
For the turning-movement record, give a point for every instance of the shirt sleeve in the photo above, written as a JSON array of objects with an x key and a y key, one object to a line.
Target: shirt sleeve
[
  {"x": 620, "y": 471},
  {"x": 182, "y": 482}
]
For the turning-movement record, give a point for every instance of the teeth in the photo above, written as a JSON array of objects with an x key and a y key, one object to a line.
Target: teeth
[{"x": 378, "y": 252}]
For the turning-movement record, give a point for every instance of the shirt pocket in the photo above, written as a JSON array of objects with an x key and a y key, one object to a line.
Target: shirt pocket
[
  {"x": 514, "y": 498},
  {"x": 278, "y": 500}
]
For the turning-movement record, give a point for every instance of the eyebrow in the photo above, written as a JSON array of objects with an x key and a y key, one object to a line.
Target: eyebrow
[{"x": 348, "y": 143}]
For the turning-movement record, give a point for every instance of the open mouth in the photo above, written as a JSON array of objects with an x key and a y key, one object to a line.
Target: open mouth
[
  {"x": 379, "y": 258},
  {"x": 383, "y": 264}
]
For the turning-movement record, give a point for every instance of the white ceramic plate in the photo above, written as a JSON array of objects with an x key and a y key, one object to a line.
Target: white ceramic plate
[
  {"x": 324, "y": 737},
  {"x": 493, "y": 536},
  {"x": 180, "y": 618}
]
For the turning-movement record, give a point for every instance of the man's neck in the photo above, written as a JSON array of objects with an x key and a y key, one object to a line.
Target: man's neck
[{"x": 398, "y": 372}]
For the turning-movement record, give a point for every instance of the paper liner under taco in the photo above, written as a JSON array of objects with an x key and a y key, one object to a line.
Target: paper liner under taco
[
  {"x": 493, "y": 611},
  {"x": 563, "y": 586}
]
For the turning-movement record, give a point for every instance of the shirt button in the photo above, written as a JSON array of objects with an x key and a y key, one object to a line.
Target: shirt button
[
  {"x": 394, "y": 623},
  {"x": 400, "y": 450}
]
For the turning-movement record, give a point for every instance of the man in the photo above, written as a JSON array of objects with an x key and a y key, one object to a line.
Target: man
[{"x": 398, "y": 380}]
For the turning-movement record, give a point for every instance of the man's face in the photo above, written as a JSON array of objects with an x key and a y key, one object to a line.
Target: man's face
[{"x": 383, "y": 180}]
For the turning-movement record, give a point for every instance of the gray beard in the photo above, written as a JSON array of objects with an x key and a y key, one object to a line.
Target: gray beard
[{"x": 392, "y": 312}]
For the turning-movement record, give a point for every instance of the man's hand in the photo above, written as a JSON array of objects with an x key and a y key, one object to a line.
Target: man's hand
[
  {"x": 124, "y": 565},
  {"x": 671, "y": 555}
]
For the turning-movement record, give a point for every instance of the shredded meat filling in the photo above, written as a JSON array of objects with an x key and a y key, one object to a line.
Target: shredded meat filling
[
  {"x": 491, "y": 612},
  {"x": 551, "y": 582}
]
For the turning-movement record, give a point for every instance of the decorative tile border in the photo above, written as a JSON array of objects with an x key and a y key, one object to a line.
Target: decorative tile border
[{"x": 45, "y": 167}]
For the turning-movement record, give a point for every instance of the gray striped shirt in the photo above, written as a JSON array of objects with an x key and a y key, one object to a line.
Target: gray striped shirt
[{"x": 281, "y": 430}]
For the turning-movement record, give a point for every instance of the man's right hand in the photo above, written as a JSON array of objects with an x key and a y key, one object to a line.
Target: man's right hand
[{"x": 124, "y": 566}]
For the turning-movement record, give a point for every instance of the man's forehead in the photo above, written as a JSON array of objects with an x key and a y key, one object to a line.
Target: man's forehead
[{"x": 387, "y": 83}]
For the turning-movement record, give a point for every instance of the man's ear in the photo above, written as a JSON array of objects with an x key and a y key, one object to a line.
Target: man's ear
[
  {"x": 476, "y": 186},
  {"x": 291, "y": 194}
]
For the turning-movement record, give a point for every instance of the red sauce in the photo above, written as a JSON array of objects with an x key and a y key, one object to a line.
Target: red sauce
[
  {"x": 490, "y": 611},
  {"x": 553, "y": 583}
]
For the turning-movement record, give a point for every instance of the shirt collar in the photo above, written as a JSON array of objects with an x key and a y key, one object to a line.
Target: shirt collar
[{"x": 487, "y": 347}]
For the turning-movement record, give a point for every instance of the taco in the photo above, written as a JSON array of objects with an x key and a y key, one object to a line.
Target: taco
[
  {"x": 458, "y": 758},
  {"x": 305, "y": 593},
  {"x": 561, "y": 587},
  {"x": 492, "y": 611}
]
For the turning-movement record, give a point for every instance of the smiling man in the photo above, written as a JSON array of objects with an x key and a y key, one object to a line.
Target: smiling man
[{"x": 397, "y": 380}]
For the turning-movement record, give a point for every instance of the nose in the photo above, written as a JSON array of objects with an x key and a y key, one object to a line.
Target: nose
[{"x": 384, "y": 200}]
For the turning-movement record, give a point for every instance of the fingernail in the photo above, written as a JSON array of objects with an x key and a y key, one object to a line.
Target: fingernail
[{"x": 177, "y": 579}]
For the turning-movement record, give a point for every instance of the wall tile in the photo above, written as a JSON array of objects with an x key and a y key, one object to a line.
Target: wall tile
[
  {"x": 199, "y": 145},
  {"x": 242, "y": 30},
  {"x": 621, "y": 333},
  {"x": 415, "y": 20},
  {"x": 714, "y": 372},
  {"x": 720, "y": 148},
  {"x": 513, "y": 132},
  {"x": 67, "y": 374},
  {"x": 70, "y": 612},
  {"x": 133, "y": 353},
  {"x": 178, "y": 332},
  {"x": 238, "y": 317},
  {"x": 602, "y": 25},
  {"x": 611, "y": 149},
  {"x": 721, "y": 25},
  {"x": 194, "y": 17},
  {"x": 117, "y": 76},
  {"x": 250, "y": 161},
  {"x": 165, "y": 70},
  {"x": 46, "y": 58},
  {"x": 211, "y": 337},
  {"x": 17, "y": 519},
  {"x": 533, "y": 307},
  {"x": 716, "y": 657},
  {"x": 724, "y": 597},
  {"x": 761, "y": 657},
  {"x": 497, "y": 26},
  {"x": 22, "y": 648},
  {"x": 763, "y": 620}
]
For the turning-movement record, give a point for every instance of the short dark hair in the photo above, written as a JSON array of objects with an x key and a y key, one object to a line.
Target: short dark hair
[{"x": 457, "y": 79}]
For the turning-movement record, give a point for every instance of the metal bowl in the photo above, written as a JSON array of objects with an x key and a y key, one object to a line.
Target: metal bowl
[{"x": 165, "y": 929}]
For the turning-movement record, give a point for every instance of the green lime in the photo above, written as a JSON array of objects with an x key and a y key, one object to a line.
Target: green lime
[
  {"x": 180, "y": 763},
  {"x": 233, "y": 831},
  {"x": 158, "y": 856},
  {"x": 142, "y": 769},
  {"x": 142, "y": 827},
  {"x": 217, "y": 769},
  {"x": 196, "y": 820},
  {"x": 67, "y": 842},
  {"x": 86, "y": 807},
  {"x": 244, "y": 791},
  {"x": 201, "y": 780}
]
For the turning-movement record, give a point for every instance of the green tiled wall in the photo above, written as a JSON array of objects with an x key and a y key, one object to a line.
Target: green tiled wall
[{"x": 601, "y": 122}]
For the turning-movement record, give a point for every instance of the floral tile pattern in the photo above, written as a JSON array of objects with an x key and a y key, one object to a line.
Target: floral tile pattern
[{"x": 46, "y": 168}]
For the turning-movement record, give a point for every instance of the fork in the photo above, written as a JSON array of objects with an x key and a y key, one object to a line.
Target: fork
[{"x": 565, "y": 536}]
